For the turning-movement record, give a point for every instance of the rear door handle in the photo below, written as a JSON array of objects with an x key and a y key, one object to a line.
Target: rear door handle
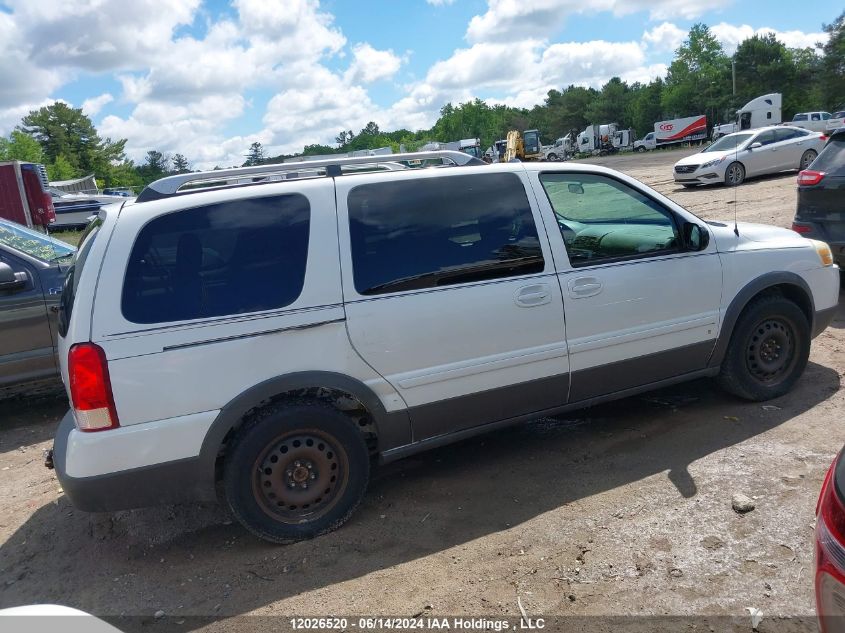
[
  {"x": 584, "y": 287},
  {"x": 533, "y": 295}
]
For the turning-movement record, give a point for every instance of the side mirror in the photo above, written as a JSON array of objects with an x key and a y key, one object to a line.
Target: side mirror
[
  {"x": 9, "y": 279},
  {"x": 696, "y": 238},
  {"x": 575, "y": 187},
  {"x": 756, "y": 145}
]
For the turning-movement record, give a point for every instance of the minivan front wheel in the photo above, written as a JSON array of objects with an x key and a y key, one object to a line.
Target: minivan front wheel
[
  {"x": 768, "y": 350},
  {"x": 807, "y": 158},
  {"x": 295, "y": 471}
]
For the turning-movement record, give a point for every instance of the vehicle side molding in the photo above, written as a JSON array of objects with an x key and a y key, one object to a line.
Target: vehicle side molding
[{"x": 747, "y": 293}]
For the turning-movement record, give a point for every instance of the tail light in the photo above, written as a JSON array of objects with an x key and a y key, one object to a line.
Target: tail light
[
  {"x": 810, "y": 177},
  {"x": 90, "y": 388},
  {"x": 801, "y": 228},
  {"x": 830, "y": 557},
  {"x": 823, "y": 137}
]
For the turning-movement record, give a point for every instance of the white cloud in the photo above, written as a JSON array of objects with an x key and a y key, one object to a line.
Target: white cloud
[
  {"x": 371, "y": 65},
  {"x": 440, "y": 3},
  {"x": 732, "y": 36},
  {"x": 513, "y": 20},
  {"x": 101, "y": 34},
  {"x": 665, "y": 37},
  {"x": 92, "y": 106},
  {"x": 22, "y": 80}
]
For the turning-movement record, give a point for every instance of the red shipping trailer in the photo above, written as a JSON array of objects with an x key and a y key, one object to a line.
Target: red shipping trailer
[{"x": 22, "y": 195}]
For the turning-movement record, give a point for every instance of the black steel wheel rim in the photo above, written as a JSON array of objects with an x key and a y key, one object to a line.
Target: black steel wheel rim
[
  {"x": 300, "y": 476},
  {"x": 770, "y": 352}
]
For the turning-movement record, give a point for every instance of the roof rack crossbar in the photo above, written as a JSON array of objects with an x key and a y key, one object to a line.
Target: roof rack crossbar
[{"x": 170, "y": 185}]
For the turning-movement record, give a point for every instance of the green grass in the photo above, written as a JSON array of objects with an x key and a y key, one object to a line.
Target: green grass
[{"x": 69, "y": 237}]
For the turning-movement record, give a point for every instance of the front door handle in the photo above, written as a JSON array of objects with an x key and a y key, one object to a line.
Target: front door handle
[
  {"x": 533, "y": 295},
  {"x": 584, "y": 287}
]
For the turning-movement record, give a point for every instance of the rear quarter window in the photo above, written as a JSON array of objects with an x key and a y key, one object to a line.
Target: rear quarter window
[
  {"x": 223, "y": 259},
  {"x": 831, "y": 159},
  {"x": 71, "y": 283}
]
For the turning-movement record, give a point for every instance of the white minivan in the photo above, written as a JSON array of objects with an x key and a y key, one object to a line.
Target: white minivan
[{"x": 275, "y": 339}]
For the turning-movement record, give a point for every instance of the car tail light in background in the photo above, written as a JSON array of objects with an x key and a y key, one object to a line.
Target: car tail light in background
[
  {"x": 801, "y": 228},
  {"x": 823, "y": 137},
  {"x": 830, "y": 557},
  {"x": 90, "y": 388},
  {"x": 810, "y": 177}
]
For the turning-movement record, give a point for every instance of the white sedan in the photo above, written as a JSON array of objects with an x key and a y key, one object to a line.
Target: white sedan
[{"x": 737, "y": 156}]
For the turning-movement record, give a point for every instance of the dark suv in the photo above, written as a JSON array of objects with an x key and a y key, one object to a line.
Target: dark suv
[{"x": 821, "y": 197}]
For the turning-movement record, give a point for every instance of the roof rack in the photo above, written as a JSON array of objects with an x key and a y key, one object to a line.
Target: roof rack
[{"x": 171, "y": 185}]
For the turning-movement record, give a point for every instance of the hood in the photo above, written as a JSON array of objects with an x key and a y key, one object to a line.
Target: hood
[
  {"x": 704, "y": 157},
  {"x": 754, "y": 236}
]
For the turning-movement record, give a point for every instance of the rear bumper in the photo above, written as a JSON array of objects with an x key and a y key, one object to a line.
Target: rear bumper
[{"x": 168, "y": 482}]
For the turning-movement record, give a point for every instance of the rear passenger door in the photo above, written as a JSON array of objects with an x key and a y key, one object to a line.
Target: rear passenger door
[{"x": 451, "y": 295}]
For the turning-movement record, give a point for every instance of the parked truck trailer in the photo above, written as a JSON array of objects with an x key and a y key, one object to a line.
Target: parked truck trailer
[{"x": 683, "y": 130}]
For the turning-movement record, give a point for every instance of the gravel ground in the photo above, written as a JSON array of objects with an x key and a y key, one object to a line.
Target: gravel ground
[{"x": 622, "y": 509}]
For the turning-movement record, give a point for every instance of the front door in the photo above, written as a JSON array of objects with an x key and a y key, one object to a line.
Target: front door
[
  {"x": 26, "y": 345},
  {"x": 639, "y": 308},
  {"x": 451, "y": 295}
]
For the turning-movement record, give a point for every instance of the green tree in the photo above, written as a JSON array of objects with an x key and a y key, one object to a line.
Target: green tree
[
  {"x": 61, "y": 169},
  {"x": 833, "y": 64},
  {"x": 62, "y": 130},
  {"x": 698, "y": 81},
  {"x": 645, "y": 108},
  {"x": 611, "y": 105},
  {"x": 180, "y": 164},
  {"x": 255, "y": 156},
  {"x": 20, "y": 146},
  {"x": 317, "y": 149}
]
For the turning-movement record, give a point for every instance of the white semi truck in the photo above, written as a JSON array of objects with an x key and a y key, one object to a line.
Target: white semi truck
[
  {"x": 604, "y": 139},
  {"x": 683, "y": 130},
  {"x": 759, "y": 112}
]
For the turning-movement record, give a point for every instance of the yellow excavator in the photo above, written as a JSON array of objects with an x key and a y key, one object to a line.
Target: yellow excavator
[{"x": 524, "y": 147}]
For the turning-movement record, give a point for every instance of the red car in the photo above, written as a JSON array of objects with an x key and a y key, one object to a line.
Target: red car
[{"x": 830, "y": 549}]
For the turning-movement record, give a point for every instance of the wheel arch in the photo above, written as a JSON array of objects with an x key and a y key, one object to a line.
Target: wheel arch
[
  {"x": 791, "y": 285},
  {"x": 391, "y": 428}
]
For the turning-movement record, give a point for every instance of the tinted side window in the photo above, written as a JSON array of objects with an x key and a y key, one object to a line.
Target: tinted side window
[
  {"x": 784, "y": 134},
  {"x": 831, "y": 159},
  {"x": 432, "y": 232},
  {"x": 602, "y": 219},
  {"x": 799, "y": 117},
  {"x": 765, "y": 138},
  {"x": 814, "y": 116},
  {"x": 228, "y": 258}
]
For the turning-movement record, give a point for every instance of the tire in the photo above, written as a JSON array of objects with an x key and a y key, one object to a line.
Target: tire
[
  {"x": 641, "y": 149},
  {"x": 806, "y": 158},
  {"x": 552, "y": 157},
  {"x": 734, "y": 174},
  {"x": 295, "y": 471},
  {"x": 768, "y": 350}
]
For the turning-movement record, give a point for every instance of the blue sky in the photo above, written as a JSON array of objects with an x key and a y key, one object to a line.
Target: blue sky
[{"x": 207, "y": 78}]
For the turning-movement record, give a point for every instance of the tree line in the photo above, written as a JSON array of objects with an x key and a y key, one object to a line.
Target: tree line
[{"x": 699, "y": 80}]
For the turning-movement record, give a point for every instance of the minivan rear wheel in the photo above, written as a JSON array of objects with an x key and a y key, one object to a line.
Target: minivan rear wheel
[
  {"x": 295, "y": 471},
  {"x": 807, "y": 158},
  {"x": 768, "y": 350}
]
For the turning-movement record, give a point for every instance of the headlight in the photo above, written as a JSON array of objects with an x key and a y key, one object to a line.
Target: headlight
[
  {"x": 711, "y": 163},
  {"x": 823, "y": 250}
]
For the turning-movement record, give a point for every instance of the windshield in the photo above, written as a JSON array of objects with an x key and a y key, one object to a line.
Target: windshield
[
  {"x": 33, "y": 243},
  {"x": 727, "y": 143}
]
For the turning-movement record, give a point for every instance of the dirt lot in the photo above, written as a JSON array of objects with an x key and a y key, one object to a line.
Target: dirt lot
[{"x": 620, "y": 509}]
